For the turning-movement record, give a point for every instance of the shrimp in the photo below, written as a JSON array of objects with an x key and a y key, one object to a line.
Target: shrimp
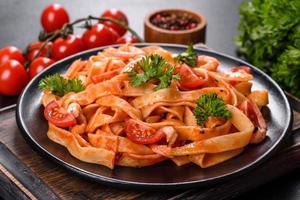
[
  {"x": 253, "y": 113},
  {"x": 208, "y": 62},
  {"x": 75, "y": 109}
]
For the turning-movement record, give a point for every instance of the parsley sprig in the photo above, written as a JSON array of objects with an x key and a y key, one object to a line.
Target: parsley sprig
[
  {"x": 188, "y": 57},
  {"x": 210, "y": 105},
  {"x": 60, "y": 86},
  {"x": 154, "y": 67}
]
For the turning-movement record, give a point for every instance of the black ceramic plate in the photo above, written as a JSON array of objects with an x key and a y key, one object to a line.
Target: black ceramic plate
[{"x": 165, "y": 175}]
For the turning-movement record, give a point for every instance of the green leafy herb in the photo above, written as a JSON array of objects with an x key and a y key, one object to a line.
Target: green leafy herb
[
  {"x": 154, "y": 67},
  {"x": 210, "y": 105},
  {"x": 287, "y": 70},
  {"x": 269, "y": 38},
  {"x": 60, "y": 86},
  {"x": 188, "y": 57}
]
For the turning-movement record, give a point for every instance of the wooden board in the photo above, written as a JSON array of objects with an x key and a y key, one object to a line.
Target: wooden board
[{"x": 69, "y": 186}]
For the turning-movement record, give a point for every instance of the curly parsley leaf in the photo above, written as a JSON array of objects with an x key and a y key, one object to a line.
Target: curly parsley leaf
[
  {"x": 210, "y": 105},
  {"x": 188, "y": 57},
  {"x": 153, "y": 67},
  {"x": 287, "y": 70},
  {"x": 60, "y": 86}
]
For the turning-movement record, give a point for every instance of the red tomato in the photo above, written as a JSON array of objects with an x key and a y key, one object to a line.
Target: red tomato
[
  {"x": 38, "y": 65},
  {"x": 33, "y": 49},
  {"x": 58, "y": 115},
  {"x": 99, "y": 35},
  {"x": 65, "y": 47},
  {"x": 54, "y": 17},
  {"x": 241, "y": 68},
  {"x": 188, "y": 79},
  {"x": 13, "y": 78},
  {"x": 117, "y": 15},
  {"x": 127, "y": 39},
  {"x": 142, "y": 134},
  {"x": 11, "y": 53}
]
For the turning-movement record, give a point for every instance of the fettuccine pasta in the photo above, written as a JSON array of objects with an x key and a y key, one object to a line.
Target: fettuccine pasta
[{"x": 136, "y": 126}]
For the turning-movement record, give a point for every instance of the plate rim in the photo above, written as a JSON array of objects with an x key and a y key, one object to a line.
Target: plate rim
[{"x": 144, "y": 185}]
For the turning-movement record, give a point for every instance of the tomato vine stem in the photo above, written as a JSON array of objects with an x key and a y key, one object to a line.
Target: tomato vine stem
[{"x": 68, "y": 28}]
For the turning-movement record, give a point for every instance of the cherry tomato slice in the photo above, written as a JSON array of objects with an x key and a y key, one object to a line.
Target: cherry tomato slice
[
  {"x": 126, "y": 39},
  {"x": 58, "y": 116},
  {"x": 142, "y": 134},
  {"x": 11, "y": 53},
  {"x": 13, "y": 78},
  {"x": 54, "y": 17},
  {"x": 99, "y": 35},
  {"x": 38, "y": 65},
  {"x": 188, "y": 79},
  {"x": 117, "y": 15},
  {"x": 66, "y": 47},
  {"x": 241, "y": 68}
]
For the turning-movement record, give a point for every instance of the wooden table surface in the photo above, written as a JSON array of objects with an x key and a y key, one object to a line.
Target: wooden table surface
[{"x": 20, "y": 25}]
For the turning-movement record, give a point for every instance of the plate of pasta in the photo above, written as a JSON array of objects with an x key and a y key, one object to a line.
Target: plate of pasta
[{"x": 157, "y": 116}]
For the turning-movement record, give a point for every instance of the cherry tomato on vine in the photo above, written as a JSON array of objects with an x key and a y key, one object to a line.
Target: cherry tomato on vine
[
  {"x": 53, "y": 17},
  {"x": 127, "y": 39},
  {"x": 33, "y": 49},
  {"x": 65, "y": 47},
  {"x": 13, "y": 77},
  {"x": 38, "y": 65},
  {"x": 99, "y": 35},
  {"x": 117, "y": 15},
  {"x": 11, "y": 53}
]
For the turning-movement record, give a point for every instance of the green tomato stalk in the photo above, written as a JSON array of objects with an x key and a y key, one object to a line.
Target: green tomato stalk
[{"x": 69, "y": 29}]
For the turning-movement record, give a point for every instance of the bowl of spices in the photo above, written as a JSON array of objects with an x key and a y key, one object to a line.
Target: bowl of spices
[{"x": 178, "y": 26}]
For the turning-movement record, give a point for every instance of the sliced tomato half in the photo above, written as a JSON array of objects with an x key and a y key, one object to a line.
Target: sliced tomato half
[
  {"x": 58, "y": 115},
  {"x": 188, "y": 79},
  {"x": 141, "y": 133}
]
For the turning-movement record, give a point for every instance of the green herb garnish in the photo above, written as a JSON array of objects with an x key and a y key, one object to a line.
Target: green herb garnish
[
  {"x": 188, "y": 57},
  {"x": 210, "y": 105},
  {"x": 154, "y": 67},
  {"x": 269, "y": 38},
  {"x": 60, "y": 86}
]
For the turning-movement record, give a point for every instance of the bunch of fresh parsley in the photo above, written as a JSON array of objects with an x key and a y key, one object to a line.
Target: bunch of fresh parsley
[
  {"x": 210, "y": 105},
  {"x": 60, "y": 86},
  {"x": 269, "y": 38},
  {"x": 153, "y": 67}
]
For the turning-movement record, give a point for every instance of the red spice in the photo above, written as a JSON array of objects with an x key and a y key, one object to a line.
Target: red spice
[{"x": 174, "y": 22}]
